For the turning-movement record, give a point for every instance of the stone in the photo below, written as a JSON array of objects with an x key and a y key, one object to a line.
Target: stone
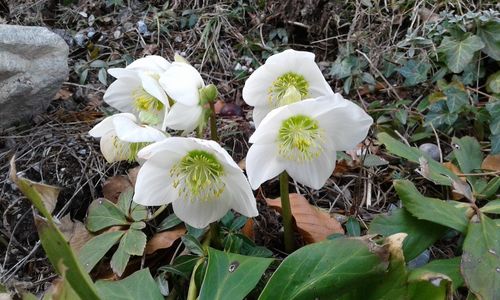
[{"x": 33, "y": 66}]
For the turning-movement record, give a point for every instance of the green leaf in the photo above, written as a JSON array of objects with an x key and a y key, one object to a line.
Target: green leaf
[
  {"x": 489, "y": 33},
  {"x": 92, "y": 252},
  {"x": 456, "y": 97},
  {"x": 437, "y": 172},
  {"x": 124, "y": 200},
  {"x": 432, "y": 209},
  {"x": 490, "y": 189},
  {"x": 119, "y": 260},
  {"x": 104, "y": 213},
  {"x": 182, "y": 265},
  {"x": 138, "y": 225},
  {"x": 134, "y": 242},
  {"x": 468, "y": 153},
  {"x": 425, "y": 285},
  {"x": 371, "y": 160},
  {"x": 63, "y": 259},
  {"x": 192, "y": 244},
  {"x": 449, "y": 267},
  {"x": 414, "y": 72},
  {"x": 352, "y": 227},
  {"x": 493, "y": 83},
  {"x": 495, "y": 143},
  {"x": 421, "y": 234},
  {"x": 139, "y": 285},
  {"x": 231, "y": 276},
  {"x": 138, "y": 212},
  {"x": 102, "y": 76},
  {"x": 459, "y": 53},
  {"x": 491, "y": 207},
  {"x": 481, "y": 259},
  {"x": 314, "y": 271},
  {"x": 169, "y": 222}
]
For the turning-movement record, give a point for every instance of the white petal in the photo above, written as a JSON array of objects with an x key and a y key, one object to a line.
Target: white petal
[
  {"x": 178, "y": 146},
  {"x": 152, "y": 87},
  {"x": 122, "y": 72},
  {"x": 255, "y": 90},
  {"x": 154, "y": 183},
  {"x": 289, "y": 56},
  {"x": 107, "y": 125},
  {"x": 219, "y": 152},
  {"x": 200, "y": 213},
  {"x": 345, "y": 123},
  {"x": 113, "y": 149},
  {"x": 262, "y": 164},
  {"x": 267, "y": 131},
  {"x": 314, "y": 173},
  {"x": 239, "y": 193},
  {"x": 182, "y": 83},
  {"x": 183, "y": 117},
  {"x": 128, "y": 130},
  {"x": 151, "y": 63},
  {"x": 259, "y": 113},
  {"x": 119, "y": 93}
]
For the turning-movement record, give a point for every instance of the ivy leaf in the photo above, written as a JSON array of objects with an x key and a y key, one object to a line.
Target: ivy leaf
[
  {"x": 460, "y": 53},
  {"x": 493, "y": 83},
  {"x": 489, "y": 33},
  {"x": 456, "y": 97},
  {"x": 414, "y": 72}
]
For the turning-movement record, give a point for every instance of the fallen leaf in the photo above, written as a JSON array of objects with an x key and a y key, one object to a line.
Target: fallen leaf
[
  {"x": 460, "y": 188},
  {"x": 132, "y": 174},
  {"x": 164, "y": 239},
  {"x": 231, "y": 110},
  {"x": 218, "y": 105},
  {"x": 114, "y": 186},
  {"x": 247, "y": 229},
  {"x": 491, "y": 163},
  {"x": 62, "y": 94},
  {"x": 313, "y": 223},
  {"x": 75, "y": 232}
]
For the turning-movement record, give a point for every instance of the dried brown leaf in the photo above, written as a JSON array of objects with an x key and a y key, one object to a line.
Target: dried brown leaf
[
  {"x": 247, "y": 230},
  {"x": 313, "y": 223},
  {"x": 75, "y": 232},
  {"x": 460, "y": 188},
  {"x": 218, "y": 105},
  {"x": 491, "y": 163},
  {"x": 164, "y": 239},
  {"x": 114, "y": 186},
  {"x": 132, "y": 174}
]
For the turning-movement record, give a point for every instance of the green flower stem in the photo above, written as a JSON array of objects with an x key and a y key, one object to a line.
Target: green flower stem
[
  {"x": 157, "y": 212},
  {"x": 213, "y": 123},
  {"x": 193, "y": 290},
  {"x": 212, "y": 237},
  {"x": 286, "y": 212}
]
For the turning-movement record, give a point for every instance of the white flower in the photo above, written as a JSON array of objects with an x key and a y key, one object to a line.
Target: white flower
[
  {"x": 302, "y": 139},
  {"x": 122, "y": 137},
  {"x": 183, "y": 83},
  {"x": 285, "y": 78},
  {"x": 197, "y": 176},
  {"x": 136, "y": 90}
]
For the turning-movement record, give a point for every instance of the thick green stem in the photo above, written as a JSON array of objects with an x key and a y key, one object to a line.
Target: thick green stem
[
  {"x": 193, "y": 289},
  {"x": 213, "y": 123},
  {"x": 286, "y": 212}
]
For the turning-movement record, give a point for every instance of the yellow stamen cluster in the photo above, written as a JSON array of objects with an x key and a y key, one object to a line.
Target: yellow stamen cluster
[
  {"x": 143, "y": 101},
  {"x": 198, "y": 176},
  {"x": 300, "y": 139},
  {"x": 287, "y": 89}
]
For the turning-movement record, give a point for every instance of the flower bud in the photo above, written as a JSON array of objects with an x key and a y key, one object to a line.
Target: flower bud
[{"x": 208, "y": 94}]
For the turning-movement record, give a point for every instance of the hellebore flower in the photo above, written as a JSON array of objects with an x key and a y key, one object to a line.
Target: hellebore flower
[
  {"x": 183, "y": 83},
  {"x": 197, "y": 176},
  {"x": 136, "y": 90},
  {"x": 122, "y": 137},
  {"x": 285, "y": 78},
  {"x": 302, "y": 138}
]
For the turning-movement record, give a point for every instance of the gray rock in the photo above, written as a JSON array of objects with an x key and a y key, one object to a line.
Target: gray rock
[
  {"x": 430, "y": 149},
  {"x": 33, "y": 65}
]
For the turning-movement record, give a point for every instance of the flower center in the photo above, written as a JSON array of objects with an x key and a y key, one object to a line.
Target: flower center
[
  {"x": 288, "y": 88},
  {"x": 300, "y": 139},
  {"x": 143, "y": 101},
  {"x": 198, "y": 176}
]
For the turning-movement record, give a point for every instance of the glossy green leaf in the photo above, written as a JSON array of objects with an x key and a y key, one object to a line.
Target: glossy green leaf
[
  {"x": 489, "y": 33},
  {"x": 490, "y": 189},
  {"x": 414, "y": 72},
  {"x": 421, "y": 233},
  {"x": 103, "y": 214},
  {"x": 456, "y": 97},
  {"x": 352, "y": 227},
  {"x": 63, "y": 259},
  {"x": 432, "y": 209},
  {"x": 459, "y": 53},
  {"x": 491, "y": 207},
  {"x": 481, "y": 258},
  {"x": 192, "y": 244},
  {"x": 182, "y": 265},
  {"x": 468, "y": 153},
  {"x": 437, "y": 172},
  {"x": 95, "y": 249},
  {"x": 425, "y": 285},
  {"x": 231, "y": 276},
  {"x": 139, "y": 285},
  {"x": 449, "y": 267},
  {"x": 321, "y": 269},
  {"x": 169, "y": 222}
]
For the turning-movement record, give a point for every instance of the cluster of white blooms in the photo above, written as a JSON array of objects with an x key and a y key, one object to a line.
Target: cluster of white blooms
[{"x": 300, "y": 124}]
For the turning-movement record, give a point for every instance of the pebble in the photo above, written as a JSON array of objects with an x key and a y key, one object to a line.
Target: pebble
[{"x": 430, "y": 149}]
